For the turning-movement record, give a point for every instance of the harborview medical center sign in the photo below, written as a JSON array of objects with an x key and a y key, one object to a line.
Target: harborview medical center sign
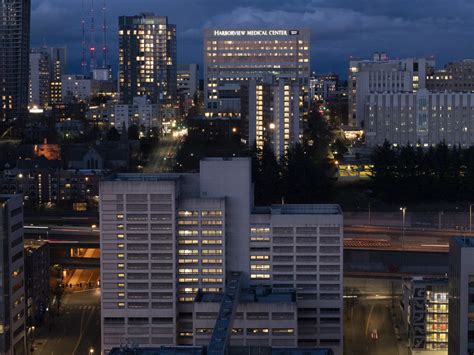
[{"x": 256, "y": 32}]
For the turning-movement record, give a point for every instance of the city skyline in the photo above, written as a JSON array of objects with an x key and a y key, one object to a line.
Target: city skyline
[{"x": 339, "y": 29}]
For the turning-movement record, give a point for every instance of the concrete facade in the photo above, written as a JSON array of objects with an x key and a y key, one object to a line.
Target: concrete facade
[
  {"x": 272, "y": 114},
  {"x": 166, "y": 237},
  {"x": 233, "y": 57},
  {"x": 12, "y": 305},
  {"x": 382, "y": 75},
  {"x": 423, "y": 117},
  {"x": 461, "y": 296}
]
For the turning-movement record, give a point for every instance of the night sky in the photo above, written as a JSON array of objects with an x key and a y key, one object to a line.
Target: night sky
[{"x": 339, "y": 28}]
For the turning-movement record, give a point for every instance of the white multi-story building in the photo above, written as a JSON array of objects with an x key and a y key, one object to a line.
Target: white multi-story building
[
  {"x": 271, "y": 110},
  {"x": 233, "y": 57},
  {"x": 166, "y": 238},
  {"x": 77, "y": 88},
  {"x": 461, "y": 296},
  {"x": 381, "y": 75},
  {"x": 422, "y": 117},
  {"x": 12, "y": 314},
  {"x": 141, "y": 112}
]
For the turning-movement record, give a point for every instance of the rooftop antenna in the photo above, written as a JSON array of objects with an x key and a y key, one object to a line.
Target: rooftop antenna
[
  {"x": 104, "y": 29},
  {"x": 83, "y": 24},
  {"x": 92, "y": 47}
]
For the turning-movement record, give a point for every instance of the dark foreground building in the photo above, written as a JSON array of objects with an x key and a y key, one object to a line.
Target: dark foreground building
[{"x": 14, "y": 58}]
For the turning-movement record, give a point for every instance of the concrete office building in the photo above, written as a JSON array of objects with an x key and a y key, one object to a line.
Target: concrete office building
[
  {"x": 40, "y": 76},
  {"x": 422, "y": 117},
  {"x": 383, "y": 75},
  {"x": 141, "y": 112},
  {"x": 262, "y": 318},
  {"x": 323, "y": 87},
  {"x": 12, "y": 310},
  {"x": 166, "y": 237},
  {"x": 455, "y": 76},
  {"x": 14, "y": 58},
  {"x": 425, "y": 312},
  {"x": 230, "y": 350},
  {"x": 271, "y": 114},
  {"x": 147, "y": 58},
  {"x": 188, "y": 80},
  {"x": 461, "y": 296},
  {"x": 76, "y": 88},
  {"x": 233, "y": 57}
]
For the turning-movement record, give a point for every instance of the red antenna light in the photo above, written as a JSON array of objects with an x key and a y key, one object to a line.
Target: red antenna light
[
  {"x": 92, "y": 30},
  {"x": 104, "y": 29},
  {"x": 83, "y": 24}
]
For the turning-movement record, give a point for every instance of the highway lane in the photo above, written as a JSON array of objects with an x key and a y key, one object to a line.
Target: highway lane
[
  {"x": 394, "y": 238},
  {"x": 355, "y": 236}
]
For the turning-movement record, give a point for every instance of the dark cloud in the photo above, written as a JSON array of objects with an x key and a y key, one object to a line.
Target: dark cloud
[{"x": 340, "y": 28}]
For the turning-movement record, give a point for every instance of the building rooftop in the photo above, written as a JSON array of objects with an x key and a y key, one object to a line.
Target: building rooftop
[
  {"x": 232, "y": 350},
  {"x": 143, "y": 177},
  {"x": 306, "y": 209},
  {"x": 164, "y": 350}
]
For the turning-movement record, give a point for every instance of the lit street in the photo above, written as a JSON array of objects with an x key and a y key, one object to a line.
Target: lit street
[
  {"x": 76, "y": 327},
  {"x": 162, "y": 157},
  {"x": 369, "y": 328}
]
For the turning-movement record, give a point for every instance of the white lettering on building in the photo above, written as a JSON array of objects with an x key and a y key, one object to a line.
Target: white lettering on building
[{"x": 251, "y": 33}]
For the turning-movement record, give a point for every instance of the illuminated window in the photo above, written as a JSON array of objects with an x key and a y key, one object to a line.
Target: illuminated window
[
  {"x": 259, "y": 257},
  {"x": 260, "y": 276},
  {"x": 260, "y": 267},
  {"x": 188, "y": 213},
  {"x": 188, "y": 252},
  {"x": 213, "y": 242},
  {"x": 188, "y": 280}
]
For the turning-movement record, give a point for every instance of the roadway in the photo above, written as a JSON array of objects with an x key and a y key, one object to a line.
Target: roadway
[
  {"x": 75, "y": 329},
  {"x": 355, "y": 237},
  {"x": 396, "y": 239},
  {"x": 163, "y": 156},
  {"x": 372, "y": 320}
]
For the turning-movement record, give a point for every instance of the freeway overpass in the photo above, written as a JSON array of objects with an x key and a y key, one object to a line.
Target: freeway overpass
[
  {"x": 367, "y": 248},
  {"x": 356, "y": 237},
  {"x": 65, "y": 236}
]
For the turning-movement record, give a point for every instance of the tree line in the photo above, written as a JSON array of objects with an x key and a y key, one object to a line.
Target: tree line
[{"x": 418, "y": 174}]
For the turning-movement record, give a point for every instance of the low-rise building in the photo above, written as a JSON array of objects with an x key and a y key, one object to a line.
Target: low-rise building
[{"x": 425, "y": 305}]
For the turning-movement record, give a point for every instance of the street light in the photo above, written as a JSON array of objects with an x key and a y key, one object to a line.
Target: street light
[
  {"x": 404, "y": 211},
  {"x": 470, "y": 217},
  {"x": 91, "y": 351}
]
